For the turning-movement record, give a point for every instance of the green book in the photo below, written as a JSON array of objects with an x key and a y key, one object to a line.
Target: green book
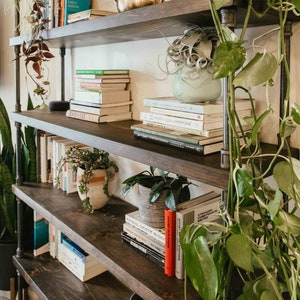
[
  {"x": 102, "y": 72},
  {"x": 74, "y": 6}
]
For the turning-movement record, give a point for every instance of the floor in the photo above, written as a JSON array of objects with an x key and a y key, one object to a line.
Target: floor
[{"x": 29, "y": 295}]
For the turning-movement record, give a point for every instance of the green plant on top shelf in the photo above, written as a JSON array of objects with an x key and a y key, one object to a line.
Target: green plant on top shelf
[{"x": 260, "y": 236}]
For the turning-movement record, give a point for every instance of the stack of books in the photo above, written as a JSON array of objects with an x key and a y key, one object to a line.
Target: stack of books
[
  {"x": 197, "y": 127},
  {"x": 162, "y": 245},
  {"x": 101, "y": 96}
]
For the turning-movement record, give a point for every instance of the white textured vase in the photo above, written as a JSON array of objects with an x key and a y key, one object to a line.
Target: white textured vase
[
  {"x": 97, "y": 197},
  {"x": 192, "y": 86}
]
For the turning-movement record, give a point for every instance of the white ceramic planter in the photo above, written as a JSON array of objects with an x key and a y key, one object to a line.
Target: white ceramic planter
[
  {"x": 97, "y": 197},
  {"x": 193, "y": 86}
]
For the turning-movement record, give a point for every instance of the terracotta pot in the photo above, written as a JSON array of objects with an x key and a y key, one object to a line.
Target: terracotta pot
[{"x": 98, "y": 198}]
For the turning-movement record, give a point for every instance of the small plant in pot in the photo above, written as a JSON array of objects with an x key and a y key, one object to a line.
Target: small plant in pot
[
  {"x": 190, "y": 59},
  {"x": 95, "y": 175},
  {"x": 157, "y": 190}
]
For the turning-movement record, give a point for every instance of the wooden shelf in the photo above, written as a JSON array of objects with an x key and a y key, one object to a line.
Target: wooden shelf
[
  {"x": 51, "y": 280},
  {"x": 155, "y": 21},
  {"x": 117, "y": 138},
  {"x": 100, "y": 235}
]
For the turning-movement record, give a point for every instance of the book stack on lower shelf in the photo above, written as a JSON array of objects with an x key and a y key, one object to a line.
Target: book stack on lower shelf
[
  {"x": 101, "y": 96},
  {"x": 162, "y": 245},
  {"x": 197, "y": 127}
]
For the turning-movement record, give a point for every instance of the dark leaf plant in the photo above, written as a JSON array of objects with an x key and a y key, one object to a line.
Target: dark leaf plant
[
  {"x": 259, "y": 239},
  {"x": 159, "y": 181},
  {"x": 8, "y": 216}
]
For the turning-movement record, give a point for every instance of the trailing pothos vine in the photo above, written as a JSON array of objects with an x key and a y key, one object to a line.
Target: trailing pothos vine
[{"x": 259, "y": 236}]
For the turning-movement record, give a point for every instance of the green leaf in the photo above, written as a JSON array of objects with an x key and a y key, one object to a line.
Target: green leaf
[
  {"x": 295, "y": 111},
  {"x": 220, "y": 3},
  {"x": 199, "y": 264},
  {"x": 245, "y": 183},
  {"x": 287, "y": 222},
  {"x": 257, "y": 125},
  {"x": 297, "y": 4},
  {"x": 274, "y": 204},
  {"x": 240, "y": 251},
  {"x": 259, "y": 70},
  {"x": 285, "y": 178},
  {"x": 229, "y": 57}
]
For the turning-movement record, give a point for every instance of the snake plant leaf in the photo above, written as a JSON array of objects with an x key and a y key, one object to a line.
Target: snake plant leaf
[
  {"x": 220, "y": 3},
  {"x": 274, "y": 204},
  {"x": 244, "y": 182},
  {"x": 240, "y": 251},
  {"x": 229, "y": 57},
  {"x": 286, "y": 178},
  {"x": 199, "y": 264},
  {"x": 287, "y": 222},
  {"x": 295, "y": 112},
  {"x": 259, "y": 70}
]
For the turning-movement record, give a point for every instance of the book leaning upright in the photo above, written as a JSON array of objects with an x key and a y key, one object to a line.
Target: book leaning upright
[{"x": 203, "y": 208}]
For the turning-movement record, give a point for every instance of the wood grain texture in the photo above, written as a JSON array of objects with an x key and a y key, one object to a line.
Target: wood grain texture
[
  {"x": 118, "y": 139},
  {"x": 99, "y": 234}
]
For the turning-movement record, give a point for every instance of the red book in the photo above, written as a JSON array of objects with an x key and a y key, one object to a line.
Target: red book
[{"x": 170, "y": 230}]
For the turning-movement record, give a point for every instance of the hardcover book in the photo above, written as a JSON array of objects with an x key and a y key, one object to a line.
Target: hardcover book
[
  {"x": 102, "y": 71},
  {"x": 74, "y": 6},
  {"x": 40, "y": 234},
  {"x": 170, "y": 231},
  {"x": 88, "y": 15},
  {"x": 204, "y": 210}
]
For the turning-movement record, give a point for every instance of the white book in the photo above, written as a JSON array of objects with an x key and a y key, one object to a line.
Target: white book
[
  {"x": 144, "y": 238},
  {"x": 135, "y": 219},
  {"x": 201, "y": 212},
  {"x": 76, "y": 266},
  {"x": 181, "y": 122},
  {"x": 201, "y": 108}
]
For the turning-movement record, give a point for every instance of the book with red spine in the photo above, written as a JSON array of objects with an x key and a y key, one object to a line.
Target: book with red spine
[{"x": 170, "y": 230}]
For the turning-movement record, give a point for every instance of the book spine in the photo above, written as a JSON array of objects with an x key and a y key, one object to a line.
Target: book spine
[
  {"x": 181, "y": 122},
  {"x": 167, "y": 141},
  {"x": 145, "y": 228},
  {"x": 142, "y": 249},
  {"x": 181, "y": 114},
  {"x": 178, "y": 137},
  {"x": 175, "y": 105},
  {"x": 80, "y": 254},
  {"x": 170, "y": 219},
  {"x": 144, "y": 238},
  {"x": 83, "y": 116}
]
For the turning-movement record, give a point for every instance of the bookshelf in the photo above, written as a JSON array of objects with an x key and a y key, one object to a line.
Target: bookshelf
[{"x": 99, "y": 234}]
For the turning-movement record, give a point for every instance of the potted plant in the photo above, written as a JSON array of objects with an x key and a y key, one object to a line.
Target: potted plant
[
  {"x": 190, "y": 59},
  {"x": 95, "y": 175},
  {"x": 259, "y": 238},
  {"x": 8, "y": 206},
  {"x": 157, "y": 190}
]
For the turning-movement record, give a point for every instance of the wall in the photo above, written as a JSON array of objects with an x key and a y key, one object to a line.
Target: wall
[{"x": 141, "y": 58}]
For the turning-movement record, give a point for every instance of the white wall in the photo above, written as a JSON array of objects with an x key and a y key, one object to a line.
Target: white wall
[{"x": 141, "y": 58}]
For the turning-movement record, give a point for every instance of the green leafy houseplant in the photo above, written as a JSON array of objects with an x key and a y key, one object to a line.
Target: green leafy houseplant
[
  {"x": 8, "y": 216},
  {"x": 260, "y": 235},
  {"x": 88, "y": 160},
  {"x": 189, "y": 58},
  {"x": 158, "y": 183}
]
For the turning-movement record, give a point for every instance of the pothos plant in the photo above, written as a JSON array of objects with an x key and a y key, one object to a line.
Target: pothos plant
[
  {"x": 36, "y": 52},
  {"x": 259, "y": 238},
  {"x": 88, "y": 160}
]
